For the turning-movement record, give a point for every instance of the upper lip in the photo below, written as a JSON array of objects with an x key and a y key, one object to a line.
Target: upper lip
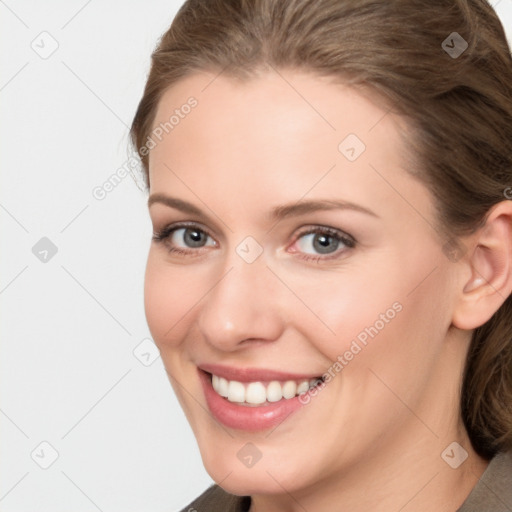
[{"x": 253, "y": 374}]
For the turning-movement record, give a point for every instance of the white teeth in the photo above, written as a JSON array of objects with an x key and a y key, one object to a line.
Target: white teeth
[
  {"x": 236, "y": 391},
  {"x": 223, "y": 387},
  {"x": 256, "y": 393},
  {"x": 302, "y": 387},
  {"x": 289, "y": 389},
  {"x": 274, "y": 391}
]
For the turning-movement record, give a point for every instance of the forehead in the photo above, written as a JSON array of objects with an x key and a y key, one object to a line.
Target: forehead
[
  {"x": 277, "y": 110},
  {"x": 281, "y": 131}
]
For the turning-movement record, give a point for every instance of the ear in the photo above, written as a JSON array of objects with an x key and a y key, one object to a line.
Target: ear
[{"x": 490, "y": 264}]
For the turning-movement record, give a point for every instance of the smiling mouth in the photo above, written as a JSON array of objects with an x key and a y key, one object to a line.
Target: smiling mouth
[
  {"x": 259, "y": 393},
  {"x": 255, "y": 399}
]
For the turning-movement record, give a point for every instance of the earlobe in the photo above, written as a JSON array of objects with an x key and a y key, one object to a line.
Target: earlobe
[{"x": 490, "y": 262}]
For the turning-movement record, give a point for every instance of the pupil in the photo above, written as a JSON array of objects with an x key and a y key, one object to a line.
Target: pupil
[
  {"x": 194, "y": 238},
  {"x": 323, "y": 244}
]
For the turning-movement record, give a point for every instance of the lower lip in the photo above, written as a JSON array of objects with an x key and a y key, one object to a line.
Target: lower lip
[{"x": 242, "y": 417}]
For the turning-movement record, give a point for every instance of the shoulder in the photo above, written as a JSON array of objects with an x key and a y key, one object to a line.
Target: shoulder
[
  {"x": 493, "y": 492},
  {"x": 216, "y": 499}
]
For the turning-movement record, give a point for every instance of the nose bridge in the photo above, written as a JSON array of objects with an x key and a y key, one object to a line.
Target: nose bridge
[{"x": 241, "y": 304}]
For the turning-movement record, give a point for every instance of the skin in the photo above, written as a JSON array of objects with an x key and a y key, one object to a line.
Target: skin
[{"x": 372, "y": 438}]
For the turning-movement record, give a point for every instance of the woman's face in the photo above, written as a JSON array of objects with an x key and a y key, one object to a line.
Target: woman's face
[{"x": 300, "y": 247}]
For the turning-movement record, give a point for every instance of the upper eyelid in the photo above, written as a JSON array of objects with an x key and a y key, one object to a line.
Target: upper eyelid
[
  {"x": 184, "y": 225},
  {"x": 301, "y": 231},
  {"x": 328, "y": 229}
]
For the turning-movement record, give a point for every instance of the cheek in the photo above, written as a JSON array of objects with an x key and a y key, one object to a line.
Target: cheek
[
  {"x": 366, "y": 313},
  {"x": 403, "y": 346},
  {"x": 349, "y": 305},
  {"x": 169, "y": 297}
]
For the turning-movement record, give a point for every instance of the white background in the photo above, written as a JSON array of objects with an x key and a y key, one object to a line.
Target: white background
[{"x": 70, "y": 325}]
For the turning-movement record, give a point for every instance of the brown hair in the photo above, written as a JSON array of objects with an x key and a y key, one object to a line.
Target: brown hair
[{"x": 458, "y": 107}]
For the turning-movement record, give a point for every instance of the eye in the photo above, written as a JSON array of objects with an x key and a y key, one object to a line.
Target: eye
[
  {"x": 317, "y": 243},
  {"x": 320, "y": 241},
  {"x": 189, "y": 237},
  {"x": 184, "y": 239}
]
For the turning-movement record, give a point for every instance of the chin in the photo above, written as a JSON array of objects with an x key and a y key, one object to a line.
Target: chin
[
  {"x": 264, "y": 477},
  {"x": 247, "y": 482}
]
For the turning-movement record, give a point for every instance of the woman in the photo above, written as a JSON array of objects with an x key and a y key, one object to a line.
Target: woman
[{"x": 330, "y": 274}]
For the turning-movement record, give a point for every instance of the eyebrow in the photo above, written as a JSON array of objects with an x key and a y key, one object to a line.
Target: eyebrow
[{"x": 277, "y": 213}]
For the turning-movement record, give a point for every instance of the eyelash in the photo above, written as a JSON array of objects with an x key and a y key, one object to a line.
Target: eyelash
[{"x": 347, "y": 240}]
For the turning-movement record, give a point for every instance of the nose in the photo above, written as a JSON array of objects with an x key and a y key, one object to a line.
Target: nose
[{"x": 242, "y": 305}]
